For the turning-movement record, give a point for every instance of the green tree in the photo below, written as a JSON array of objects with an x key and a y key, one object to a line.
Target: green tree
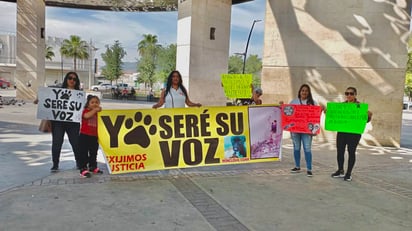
[
  {"x": 75, "y": 48},
  {"x": 148, "y": 50},
  {"x": 408, "y": 76},
  {"x": 166, "y": 61},
  {"x": 49, "y": 53},
  {"x": 253, "y": 66},
  {"x": 113, "y": 59},
  {"x": 235, "y": 64}
]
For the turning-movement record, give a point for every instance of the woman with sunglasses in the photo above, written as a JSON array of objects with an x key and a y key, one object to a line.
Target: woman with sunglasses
[
  {"x": 350, "y": 140},
  {"x": 71, "y": 81}
]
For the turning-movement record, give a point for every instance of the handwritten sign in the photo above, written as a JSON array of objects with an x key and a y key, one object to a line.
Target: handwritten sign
[
  {"x": 237, "y": 85},
  {"x": 60, "y": 104},
  {"x": 346, "y": 117},
  {"x": 301, "y": 118}
]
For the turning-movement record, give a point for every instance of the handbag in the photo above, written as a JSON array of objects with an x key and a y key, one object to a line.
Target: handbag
[{"x": 45, "y": 126}]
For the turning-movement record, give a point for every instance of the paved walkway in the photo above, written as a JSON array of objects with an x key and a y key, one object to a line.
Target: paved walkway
[{"x": 262, "y": 196}]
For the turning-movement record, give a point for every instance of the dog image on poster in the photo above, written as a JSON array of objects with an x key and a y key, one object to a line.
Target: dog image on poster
[
  {"x": 235, "y": 147},
  {"x": 265, "y": 132}
]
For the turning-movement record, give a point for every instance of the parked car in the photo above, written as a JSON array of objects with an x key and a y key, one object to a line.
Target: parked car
[
  {"x": 407, "y": 105},
  {"x": 4, "y": 83},
  {"x": 122, "y": 86},
  {"x": 102, "y": 87}
]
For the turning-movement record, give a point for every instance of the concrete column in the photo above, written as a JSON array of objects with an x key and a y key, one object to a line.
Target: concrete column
[
  {"x": 30, "y": 52},
  {"x": 335, "y": 44},
  {"x": 203, "y": 37}
]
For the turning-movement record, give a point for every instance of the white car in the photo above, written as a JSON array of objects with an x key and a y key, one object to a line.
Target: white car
[{"x": 101, "y": 87}]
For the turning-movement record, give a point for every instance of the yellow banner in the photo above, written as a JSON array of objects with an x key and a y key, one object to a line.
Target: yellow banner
[{"x": 150, "y": 139}]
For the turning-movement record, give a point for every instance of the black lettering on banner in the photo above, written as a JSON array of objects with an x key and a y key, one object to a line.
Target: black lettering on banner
[
  {"x": 204, "y": 124},
  {"x": 113, "y": 129},
  {"x": 192, "y": 129},
  {"x": 75, "y": 106},
  {"x": 234, "y": 122},
  {"x": 197, "y": 152},
  {"x": 56, "y": 92},
  {"x": 69, "y": 116},
  {"x": 178, "y": 126},
  {"x": 62, "y": 115},
  {"x": 223, "y": 130},
  {"x": 211, "y": 151},
  {"x": 47, "y": 103},
  {"x": 170, "y": 158},
  {"x": 167, "y": 133},
  {"x": 192, "y": 152}
]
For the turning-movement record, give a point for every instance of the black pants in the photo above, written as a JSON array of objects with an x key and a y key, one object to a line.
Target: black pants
[
  {"x": 351, "y": 141},
  {"x": 88, "y": 146},
  {"x": 58, "y": 130}
]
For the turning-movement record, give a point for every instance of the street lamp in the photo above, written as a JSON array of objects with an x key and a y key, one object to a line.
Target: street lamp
[{"x": 247, "y": 45}]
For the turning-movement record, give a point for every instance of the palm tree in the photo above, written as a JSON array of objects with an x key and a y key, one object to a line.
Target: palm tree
[
  {"x": 148, "y": 50},
  {"x": 74, "y": 48},
  {"x": 148, "y": 45},
  {"x": 49, "y": 53}
]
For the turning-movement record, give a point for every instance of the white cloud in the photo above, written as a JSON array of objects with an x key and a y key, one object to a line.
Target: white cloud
[
  {"x": 7, "y": 17},
  {"x": 104, "y": 27}
]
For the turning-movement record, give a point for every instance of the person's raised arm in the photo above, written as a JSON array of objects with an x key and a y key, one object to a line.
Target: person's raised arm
[
  {"x": 92, "y": 112},
  {"x": 161, "y": 100},
  {"x": 191, "y": 104}
]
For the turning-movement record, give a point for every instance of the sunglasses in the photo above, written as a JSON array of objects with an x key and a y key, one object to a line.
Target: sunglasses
[
  {"x": 349, "y": 93},
  {"x": 72, "y": 78}
]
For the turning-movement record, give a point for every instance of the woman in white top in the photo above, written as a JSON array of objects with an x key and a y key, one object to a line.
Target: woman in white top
[{"x": 175, "y": 94}]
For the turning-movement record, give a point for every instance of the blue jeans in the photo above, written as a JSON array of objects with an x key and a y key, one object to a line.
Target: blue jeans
[{"x": 306, "y": 140}]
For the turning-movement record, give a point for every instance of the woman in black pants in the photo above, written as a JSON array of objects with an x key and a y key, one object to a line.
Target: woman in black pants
[
  {"x": 351, "y": 140},
  {"x": 71, "y": 81}
]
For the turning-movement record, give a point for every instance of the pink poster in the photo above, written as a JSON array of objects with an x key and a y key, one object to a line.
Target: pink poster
[{"x": 301, "y": 118}]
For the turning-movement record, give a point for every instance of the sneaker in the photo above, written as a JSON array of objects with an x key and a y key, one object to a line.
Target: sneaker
[
  {"x": 309, "y": 173},
  {"x": 85, "y": 174},
  {"x": 338, "y": 174},
  {"x": 295, "y": 170},
  {"x": 96, "y": 171},
  {"x": 347, "y": 178},
  {"x": 55, "y": 168}
]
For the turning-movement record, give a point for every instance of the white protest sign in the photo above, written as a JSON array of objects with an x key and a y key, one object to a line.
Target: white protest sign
[{"x": 60, "y": 104}]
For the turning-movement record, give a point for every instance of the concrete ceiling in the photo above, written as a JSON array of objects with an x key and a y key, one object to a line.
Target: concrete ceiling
[{"x": 120, "y": 5}]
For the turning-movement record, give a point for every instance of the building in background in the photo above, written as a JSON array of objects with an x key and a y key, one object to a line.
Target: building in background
[{"x": 55, "y": 68}]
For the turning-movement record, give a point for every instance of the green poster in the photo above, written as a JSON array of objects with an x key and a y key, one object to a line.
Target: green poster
[
  {"x": 346, "y": 117},
  {"x": 237, "y": 85}
]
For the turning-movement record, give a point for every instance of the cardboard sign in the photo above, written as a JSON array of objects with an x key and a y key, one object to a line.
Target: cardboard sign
[
  {"x": 60, "y": 104},
  {"x": 301, "y": 118},
  {"x": 237, "y": 85},
  {"x": 346, "y": 117}
]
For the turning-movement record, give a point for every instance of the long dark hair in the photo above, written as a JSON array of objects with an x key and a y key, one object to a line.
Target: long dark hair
[
  {"x": 310, "y": 100},
  {"x": 169, "y": 83},
  {"x": 77, "y": 84}
]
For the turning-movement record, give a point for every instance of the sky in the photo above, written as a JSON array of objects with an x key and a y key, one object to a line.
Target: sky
[{"x": 105, "y": 27}]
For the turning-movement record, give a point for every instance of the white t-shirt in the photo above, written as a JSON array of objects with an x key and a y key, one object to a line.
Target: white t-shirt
[{"x": 175, "y": 98}]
